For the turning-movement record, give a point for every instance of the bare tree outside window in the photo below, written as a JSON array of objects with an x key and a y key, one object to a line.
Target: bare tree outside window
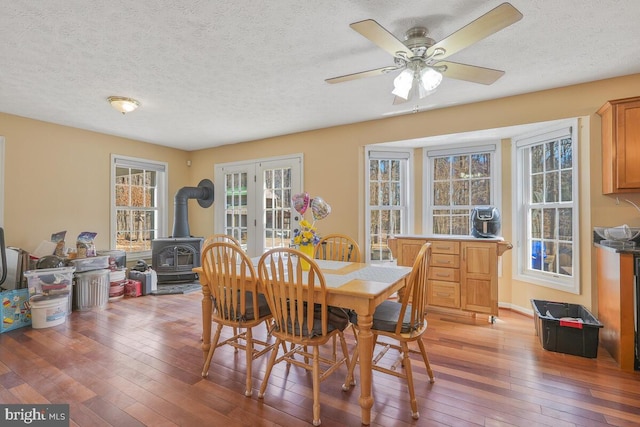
[
  {"x": 387, "y": 206},
  {"x": 136, "y": 208},
  {"x": 550, "y": 206},
  {"x": 459, "y": 183}
]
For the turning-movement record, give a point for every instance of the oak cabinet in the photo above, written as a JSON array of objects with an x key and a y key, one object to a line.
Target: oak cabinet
[
  {"x": 479, "y": 274},
  {"x": 463, "y": 271},
  {"x": 620, "y": 146}
]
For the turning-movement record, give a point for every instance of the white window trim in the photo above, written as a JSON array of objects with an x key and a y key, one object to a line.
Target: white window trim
[
  {"x": 163, "y": 197},
  {"x": 2, "y": 173},
  {"x": 407, "y": 212},
  {"x": 494, "y": 147},
  {"x": 520, "y": 258}
]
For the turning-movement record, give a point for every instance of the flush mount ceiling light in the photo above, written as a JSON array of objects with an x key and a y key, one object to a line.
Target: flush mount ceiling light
[{"x": 123, "y": 104}]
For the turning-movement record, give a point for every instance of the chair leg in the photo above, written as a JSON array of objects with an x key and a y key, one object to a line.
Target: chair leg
[
  {"x": 235, "y": 334},
  {"x": 316, "y": 385},
  {"x": 406, "y": 361},
  {"x": 423, "y": 351},
  {"x": 212, "y": 349},
  {"x": 350, "y": 379},
  {"x": 272, "y": 361},
  {"x": 249, "y": 358},
  {"x": 345, "y": 349}
]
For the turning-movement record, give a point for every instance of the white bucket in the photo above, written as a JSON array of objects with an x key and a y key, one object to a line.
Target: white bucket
[{"x": 47, "y": 311}]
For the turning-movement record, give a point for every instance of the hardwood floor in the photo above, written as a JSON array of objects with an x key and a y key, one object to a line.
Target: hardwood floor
[{"x": 139, "y": 362}]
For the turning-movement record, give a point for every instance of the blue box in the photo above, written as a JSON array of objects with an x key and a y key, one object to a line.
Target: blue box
[{"x": 16, "y": 311}]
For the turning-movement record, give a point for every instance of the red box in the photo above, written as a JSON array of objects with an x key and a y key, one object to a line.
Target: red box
[{"x": 133, "y": 288}]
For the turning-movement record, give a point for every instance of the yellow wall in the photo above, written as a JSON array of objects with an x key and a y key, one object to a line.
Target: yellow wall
[
  {"x": 57, "y": 177},
  {"x": 333, "y": 168}
]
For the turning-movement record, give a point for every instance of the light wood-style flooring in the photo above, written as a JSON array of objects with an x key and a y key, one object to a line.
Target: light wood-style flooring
[{"x": 139, "y": 363}]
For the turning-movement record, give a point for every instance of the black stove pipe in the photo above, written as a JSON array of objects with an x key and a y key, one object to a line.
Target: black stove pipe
[{"x": 203, "y": 193}]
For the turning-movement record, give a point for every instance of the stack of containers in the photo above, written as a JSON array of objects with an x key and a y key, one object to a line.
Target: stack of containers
[
  {"x": 117, "y": 280},
  {"x": 118, "y": 275},
  {"x": 50, "y": 291},
  {"x": 92, "y": 283}
]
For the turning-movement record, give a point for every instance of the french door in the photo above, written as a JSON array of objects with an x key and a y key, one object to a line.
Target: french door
[{"x": 253, "y": 201}]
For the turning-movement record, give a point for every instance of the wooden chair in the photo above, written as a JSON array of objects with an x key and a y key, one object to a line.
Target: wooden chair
[
  {"x": 298, "y": 301},
  {"x": 238, "y": 304},
  {"x": 401, "y": 323},
  {"x": 338, "y": 247},
  {"x": 219, "y": 237}
]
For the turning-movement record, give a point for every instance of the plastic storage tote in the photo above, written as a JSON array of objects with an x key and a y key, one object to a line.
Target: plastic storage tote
[
  {"x": 51, "y": 282},
  {"x": 566, "y": 328}
]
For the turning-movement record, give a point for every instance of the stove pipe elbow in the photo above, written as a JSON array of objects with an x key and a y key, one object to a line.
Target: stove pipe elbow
[{"x": 203, "y": 193}]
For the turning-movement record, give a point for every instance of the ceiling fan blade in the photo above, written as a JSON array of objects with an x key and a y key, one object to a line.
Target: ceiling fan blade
[
  {"x": 470, "y": 73},
  {"x": 354, "y": 76},
  {"x": 381, "y": 37},
  {"x": 489, "y": 23}
]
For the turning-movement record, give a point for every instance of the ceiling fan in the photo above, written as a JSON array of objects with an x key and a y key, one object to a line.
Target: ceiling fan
[{"x": 421, "y": 59}]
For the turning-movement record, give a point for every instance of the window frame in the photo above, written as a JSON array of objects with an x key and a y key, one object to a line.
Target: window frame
[
  {"x": 162, "y": 169},
  {"x": 522, "y": 188},
  {"x": 430, "y": 153},
  {"x": 382, "y": 153}
]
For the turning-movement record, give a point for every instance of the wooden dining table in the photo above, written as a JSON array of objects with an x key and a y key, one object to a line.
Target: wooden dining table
[{"x": 357, "y": 286}]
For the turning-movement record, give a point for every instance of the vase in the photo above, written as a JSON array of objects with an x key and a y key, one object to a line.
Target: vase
[{"x": 308, "y": 251}]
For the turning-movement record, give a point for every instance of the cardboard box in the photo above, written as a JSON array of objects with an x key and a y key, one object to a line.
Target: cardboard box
[
  {"x": 16, "y": 310},
  {"x": 133, "y": 288}
]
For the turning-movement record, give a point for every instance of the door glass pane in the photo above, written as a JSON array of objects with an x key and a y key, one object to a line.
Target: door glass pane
[
  {"x": 277, "y": 208},
  {"x": 236, "y": 206}
]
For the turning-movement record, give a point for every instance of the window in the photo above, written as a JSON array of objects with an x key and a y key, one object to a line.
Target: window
[
  {"x": 139, "y": 200},
  {"x": 457, "y": 181},
  {"x": 547, "y": 209},
  {"x": 387, "y": 211}
]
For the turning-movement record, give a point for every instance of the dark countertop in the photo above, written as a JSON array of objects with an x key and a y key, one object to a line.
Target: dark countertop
[{"x": 634, "y": 251}]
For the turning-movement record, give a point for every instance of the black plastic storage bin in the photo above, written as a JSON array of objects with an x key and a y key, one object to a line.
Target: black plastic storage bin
[{"x": 566, "y": 328}]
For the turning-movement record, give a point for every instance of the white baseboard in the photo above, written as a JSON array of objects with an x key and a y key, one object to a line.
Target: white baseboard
[{"x": 516, "y": 308}]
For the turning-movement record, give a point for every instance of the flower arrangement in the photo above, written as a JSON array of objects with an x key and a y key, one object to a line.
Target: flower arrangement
[{"x": 306, "y": 235}]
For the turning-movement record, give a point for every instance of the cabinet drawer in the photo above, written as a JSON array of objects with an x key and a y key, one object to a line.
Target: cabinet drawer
[
  {"x": 443, "y": 260},
  {"x": 446, "y": 274},
  {"x": 445, "y": 247},
  {"x": 444, "y": 294}
]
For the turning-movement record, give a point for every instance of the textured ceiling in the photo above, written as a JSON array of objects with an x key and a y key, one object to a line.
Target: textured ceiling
[{"x": 209, "y": 73}]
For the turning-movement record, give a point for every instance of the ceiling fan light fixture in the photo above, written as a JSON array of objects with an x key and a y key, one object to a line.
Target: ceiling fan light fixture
[
  {"x": 430, "y": 79},
  {"x": 123, "y": 104},
  {"x": 403, "y": 83}
]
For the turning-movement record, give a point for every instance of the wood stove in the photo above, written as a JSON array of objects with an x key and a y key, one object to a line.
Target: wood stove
[{"x": 174, "y": 258}]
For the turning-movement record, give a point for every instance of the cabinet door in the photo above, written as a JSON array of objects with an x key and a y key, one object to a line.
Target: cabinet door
[
  {"x": 408, "y": 251},
  {"x": 479, "y": 282},
  {"x": 628, "y": 131},
  {"x": 620, "y": 146}
]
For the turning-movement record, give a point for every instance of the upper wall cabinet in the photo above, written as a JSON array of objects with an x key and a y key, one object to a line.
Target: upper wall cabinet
[{"x": 620, "y": 146}]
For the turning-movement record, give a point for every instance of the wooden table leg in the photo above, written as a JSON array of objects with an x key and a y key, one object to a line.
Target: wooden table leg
[
  {"x": 365, "y": 353},
  {"x": 207, "y": 306}
]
